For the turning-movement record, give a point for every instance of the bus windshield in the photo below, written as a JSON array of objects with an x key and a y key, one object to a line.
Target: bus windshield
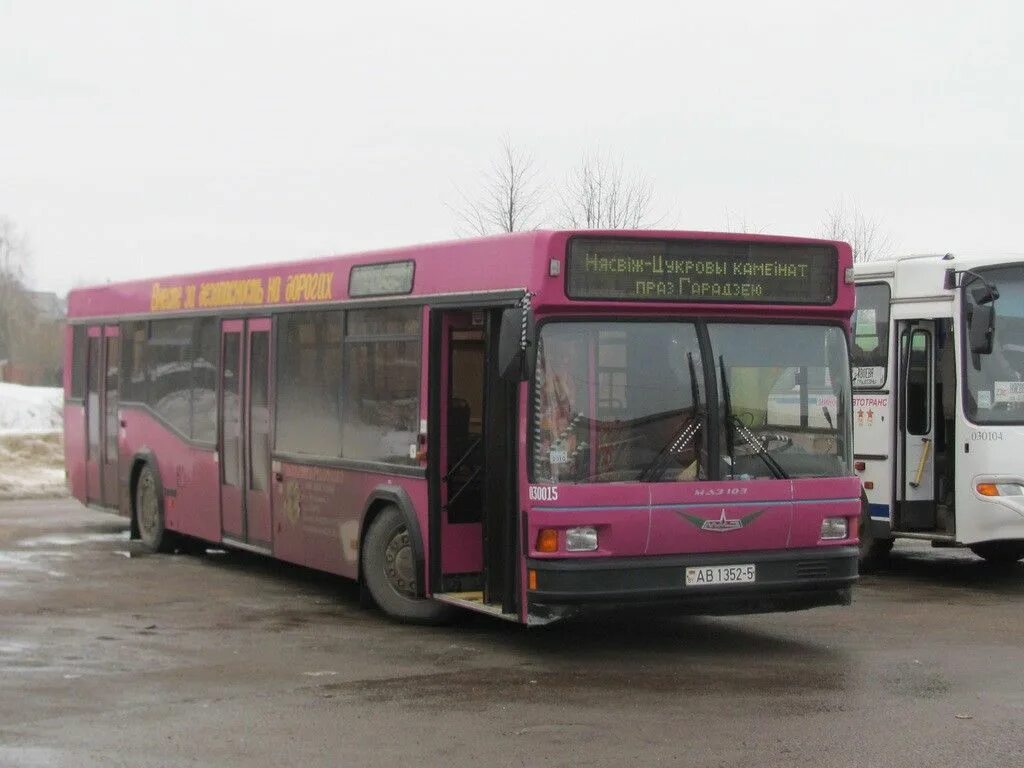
[
  {"x": 626, "y": 401},
  {"x": 995, "y": 382}
]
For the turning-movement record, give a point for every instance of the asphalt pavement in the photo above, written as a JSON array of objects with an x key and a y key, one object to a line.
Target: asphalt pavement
[{"x": 111, "y": 657}]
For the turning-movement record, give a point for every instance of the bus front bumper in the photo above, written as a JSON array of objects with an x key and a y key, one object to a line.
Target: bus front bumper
[{"x": 786, "y": 580}]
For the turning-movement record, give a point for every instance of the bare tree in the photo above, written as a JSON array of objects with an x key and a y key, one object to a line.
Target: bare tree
[
  {"x": 864, "y": 234},
  {"x": 598, "y": 195},
  {"x": 30, "y": 338},
  {"x": 12, "y": 290},
  {"x": 737, "y": 222},
  {"x": 510, "y": 197}
]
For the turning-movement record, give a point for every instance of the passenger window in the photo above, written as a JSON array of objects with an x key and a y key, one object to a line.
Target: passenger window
[
  {"x": 169, "y": 356},
  {"x": 382, "y": 379},
  {"x": 309, "y": 383},
  {"x": 133, "y": 351},
  {"x": 204, "y": 381}
]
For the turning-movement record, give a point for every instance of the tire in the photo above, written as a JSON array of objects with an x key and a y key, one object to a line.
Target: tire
[
  {"x": 149, "y": 512},
  {"x": 1000, "y": 552},
  {"x": 874, "y": 552},
  {"x": 392, "y": 575}
]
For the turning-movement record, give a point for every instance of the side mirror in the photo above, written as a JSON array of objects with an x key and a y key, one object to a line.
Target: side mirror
[
  {"x": 516, "y": 344},
  {"x": 981, "y": 326}
]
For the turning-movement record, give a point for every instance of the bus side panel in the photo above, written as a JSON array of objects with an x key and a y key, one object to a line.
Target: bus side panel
[
  {"x": 188, "y": 473},
  {"x": 74, "y": 448},
  {"x": 317, "y": 514}
]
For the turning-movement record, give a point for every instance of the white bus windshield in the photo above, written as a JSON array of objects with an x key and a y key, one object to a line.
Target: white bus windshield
[{"x": 994, "y": 383}]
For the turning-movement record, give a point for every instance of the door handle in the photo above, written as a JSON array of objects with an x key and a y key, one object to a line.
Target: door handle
[
  {"x": 925, "y": 451},
  {"x": 279, "y": 476},
  {"x": 123, "y": 422}
]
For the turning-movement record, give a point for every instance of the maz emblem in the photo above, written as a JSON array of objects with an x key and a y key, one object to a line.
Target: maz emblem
[{"x": 723, "y": 524}]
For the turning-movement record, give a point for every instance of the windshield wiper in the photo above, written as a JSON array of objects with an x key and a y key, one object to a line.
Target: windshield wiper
[
  {"x": 679, "y": 440},
  {"x": 681, "y": 437},
  {"x": 733, "y": 422},
  {"x": 750, "y": 437}
]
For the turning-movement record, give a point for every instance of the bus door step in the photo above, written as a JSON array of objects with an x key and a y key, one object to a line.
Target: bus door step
[{"x": 474, "y": 601}]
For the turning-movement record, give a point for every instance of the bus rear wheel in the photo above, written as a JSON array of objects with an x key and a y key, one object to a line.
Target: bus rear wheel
[
  {"x": 149, "y": 512},
  {"x": 1000, "y": 552},
  {"x": 391, "y": 573}
]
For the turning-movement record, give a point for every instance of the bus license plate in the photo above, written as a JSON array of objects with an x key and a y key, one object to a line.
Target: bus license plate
[{"x": 702, "y": 575}]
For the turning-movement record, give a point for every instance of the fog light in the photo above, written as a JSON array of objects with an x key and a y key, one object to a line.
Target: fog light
[
  {"x": 581, "y": 539},
  {"x": 834, "y": 528}
]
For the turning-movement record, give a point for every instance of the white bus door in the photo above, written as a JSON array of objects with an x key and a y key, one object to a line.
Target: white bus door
[{"x": 916, "y": 496}]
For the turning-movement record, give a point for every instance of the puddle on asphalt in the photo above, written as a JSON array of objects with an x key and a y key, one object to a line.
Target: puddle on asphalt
[
  {"x": 31, "y": 562},
  {"x": 14, "y": 648},
  {"x": 70, "y": 540}
]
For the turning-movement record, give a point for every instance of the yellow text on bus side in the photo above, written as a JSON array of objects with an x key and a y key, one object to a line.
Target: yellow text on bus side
[{"x": 299, "y": 287}]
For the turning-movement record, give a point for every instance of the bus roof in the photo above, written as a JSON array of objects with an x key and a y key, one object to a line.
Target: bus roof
[
  {"x": 510, "y": 262},
  {"x": 940, "y": 260}
]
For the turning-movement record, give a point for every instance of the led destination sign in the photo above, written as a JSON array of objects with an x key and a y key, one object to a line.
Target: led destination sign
[{"x": 680, "y": 270}]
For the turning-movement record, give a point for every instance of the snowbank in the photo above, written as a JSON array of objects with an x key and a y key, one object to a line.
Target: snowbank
[
  {"x": 30, "y": 409},
  {"x": 31, "y": 441},
  {"x": 31, "y": 465}
]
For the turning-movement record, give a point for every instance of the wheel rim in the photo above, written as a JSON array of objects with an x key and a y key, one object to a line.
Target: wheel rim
[
  {"x": 149, "y": 512},
  {"x": 400, "y": 564}
]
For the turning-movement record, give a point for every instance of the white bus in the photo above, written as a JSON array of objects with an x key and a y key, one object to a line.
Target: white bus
[{"x": 938, "y": 407}]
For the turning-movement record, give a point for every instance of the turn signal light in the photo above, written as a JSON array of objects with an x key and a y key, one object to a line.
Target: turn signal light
[
  {"x": 547, "y": 540},
  {"x": 1000, "y": 489}
]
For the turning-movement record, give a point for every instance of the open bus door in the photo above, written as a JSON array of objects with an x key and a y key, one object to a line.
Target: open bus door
[
  {"x": 916, "y": 503},
  {"x": 471, "y": 464},
  {"x": 102, "y": 381}
]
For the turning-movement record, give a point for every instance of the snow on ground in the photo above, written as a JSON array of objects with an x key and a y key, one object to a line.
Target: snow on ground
[
  {"x": 30, "y": 409},
  {"x": 31, "y": 465},
  {"x": 31, "y": 442}
]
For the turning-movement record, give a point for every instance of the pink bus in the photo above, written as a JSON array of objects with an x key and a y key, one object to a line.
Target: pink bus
[{"x": 524, "y": 425}]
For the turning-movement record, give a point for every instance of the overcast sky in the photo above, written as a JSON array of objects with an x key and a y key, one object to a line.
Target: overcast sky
[{"x": 143, "y": 138}]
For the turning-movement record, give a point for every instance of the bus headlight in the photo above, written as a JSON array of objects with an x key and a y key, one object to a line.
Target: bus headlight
[
  {"x": 834, "y": 528},
  {"x": 1000, "y": 489},
  {"x": 581, "y": 539}
]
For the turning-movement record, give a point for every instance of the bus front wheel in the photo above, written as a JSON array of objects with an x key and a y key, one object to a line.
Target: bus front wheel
[
  {"x": 391, "y": 572},
  {"x": 149, "y": 512},
  {"x": 1000, "y": 552}
]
